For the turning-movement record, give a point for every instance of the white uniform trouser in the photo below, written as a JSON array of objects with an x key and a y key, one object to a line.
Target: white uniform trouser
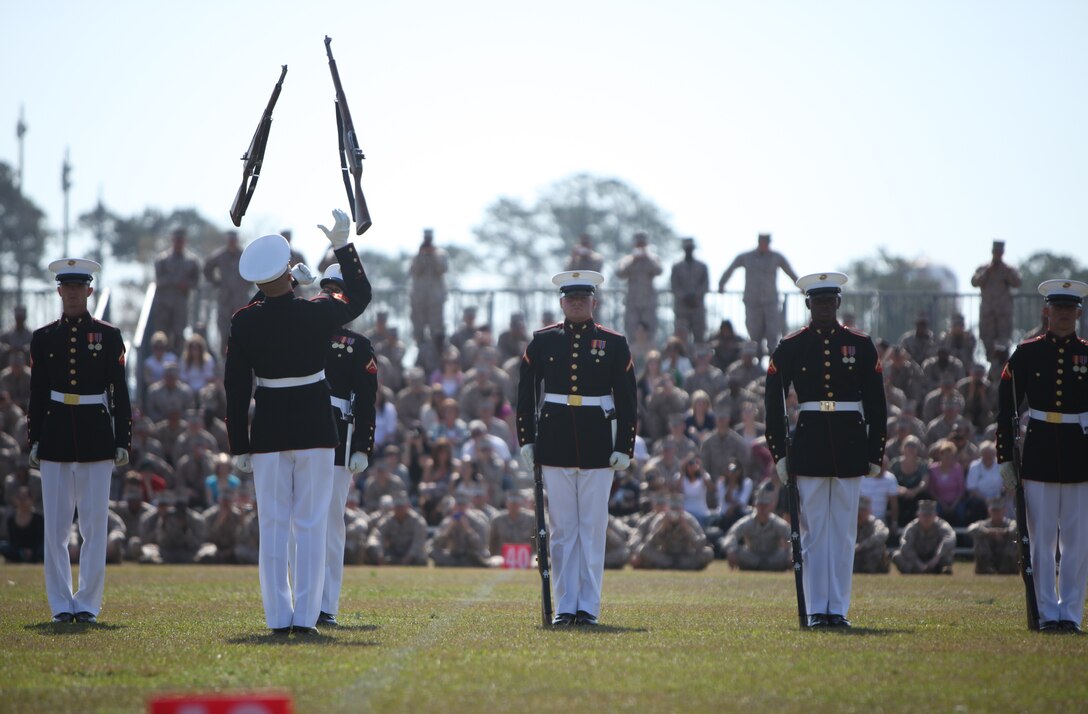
[
  {"x": 578, "y": 523},
  {"x": 334, "y": 540},
  {"x": 66, "y": 487},
  {"x": 293, "y": 490},
  {"x": 1058, "y": 520},
  {"x": 829, "y": 529}
]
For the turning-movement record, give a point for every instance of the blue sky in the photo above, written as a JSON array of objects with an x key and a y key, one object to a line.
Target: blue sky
[{"x": 929, "y": 128}]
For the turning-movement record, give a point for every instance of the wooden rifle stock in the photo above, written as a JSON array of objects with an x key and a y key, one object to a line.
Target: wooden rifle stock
[
  {"x": 351, "y": 156},
  {"x": 253, "y": 159},
  {"x": 542, "y": 559}
]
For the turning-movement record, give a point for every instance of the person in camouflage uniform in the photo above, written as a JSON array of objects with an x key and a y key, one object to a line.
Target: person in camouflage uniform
[{"x": 928, "y": 545}]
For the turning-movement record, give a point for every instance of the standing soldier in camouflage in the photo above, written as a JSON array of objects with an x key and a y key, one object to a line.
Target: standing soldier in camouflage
[
  {"x": 639, "y": 270},
  {"x": 1051, "y": 372},
  {"x": 995, "y": 281},
  {"x": 232, "y": 291},
  {"x": 582, "y": 377},
  {"x": 352, "y": 372},
  {"x": 762, "y": 315},
  {"x": 177, "y": 272},
  {"x": 428, "y": 272},
  {"x": 690, "y": 282},
  {"x": 839, "y": 438},
  {"x": 79, "y": 427}
]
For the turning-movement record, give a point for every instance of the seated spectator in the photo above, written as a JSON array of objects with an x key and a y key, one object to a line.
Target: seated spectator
[
  {"x": 415, "y": 395},
  {"x": 928, "y": 545},
  {"x": 222, "y": 526},
  {"x": 515, "y": 525},
  {"x": 942, "y": 367},
  {"x": 22, "y": 477},
  {"x": 177, "y": 533},
  {"x": 677, "y": 436},
  {"x": 616, "y": 550},
  {"x": 665, "y": 400},
  {"x": 948, "y": 484},
  {"x": 221, "y": 478},
  {"x": 191, "y": 475},
  {"x": 449, "y": 376},
  {"x": 871, "y": 550},
  {"x": 959, "y": 341},
  {"x": 193, "y": 432},
  {"x": 705, "y": 377},
  {"x": 450, "y": 425},
  {"x": 747, "y": 369},
  {"x": 197, "y": 368},
  {"x": 155, "y": 363},
  {"x": 966, "y": 451},
  {"x": 380, "y": 481},
  {"x": 749, "y": 428},
  {"x": 883, "y": 494},
  {"x": 760, "y": 540},
  {"x": 983, "y": 475},
  {"x": 15, "y": 380},
  {"x": 734, "y": 497},
  {"x": 977, "y": 393},
  {"x": 25, "y": 541},
  {"x": 438, "y": 472},
  {"x": 726, "y": 344},
  {"x": 356, "y": 531},
  {"x": 247, "y": 549},
  {"x": 995, "y": 541},
  {"x": 400, "y": 537},
  {"x": 169, "y": 395},
  {"x": 696, "y": 488},
  {"x": 459, "y": 541},
  {"x": 911, "y": 471},
  {"x": 674, "y": 360},
  {"x": 385, "y": 419},
  {"x": 700, "y": 420},
  {"x": 478, "y": 434},
  {"x": 675, "y": 542},
  {"x": 132, "y": 509},
  {"x": 116, "y": 539},
  {"x": 722, "y": 449}
]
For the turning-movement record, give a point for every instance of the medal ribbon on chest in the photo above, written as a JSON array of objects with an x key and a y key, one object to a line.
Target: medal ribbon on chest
[
  {"x": 848, "y": 352},
  {"x": 94, "y": 341},
  {"x": 596, "y": 347}
]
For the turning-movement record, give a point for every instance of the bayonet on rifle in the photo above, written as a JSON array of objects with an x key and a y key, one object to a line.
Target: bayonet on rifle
[
  {"x": 253, "y": 159},
  {"x": 351, "y": 156}
]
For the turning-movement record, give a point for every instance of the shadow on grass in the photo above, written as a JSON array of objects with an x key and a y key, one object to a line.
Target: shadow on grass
[
  {"x": 353, "y": 628},
  {"x": 71, "y": 628},
  {"x": 598, "y": 629},
  {"x": 862, "y": 631},
  {"x": 270, "y": 638}
]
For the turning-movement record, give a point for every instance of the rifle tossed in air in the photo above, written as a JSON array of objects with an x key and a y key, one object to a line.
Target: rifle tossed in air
[
  {"x": 351, "y": 156},
  {"x": 253, "y": 159}
]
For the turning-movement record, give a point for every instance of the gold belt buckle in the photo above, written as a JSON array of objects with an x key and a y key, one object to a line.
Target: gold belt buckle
[
  {"x": 827, "y": 406},
  {"x": 1054, "y": 417},
  {"x": 71, "y": 399},
  {"x": 574, "y": 400}
]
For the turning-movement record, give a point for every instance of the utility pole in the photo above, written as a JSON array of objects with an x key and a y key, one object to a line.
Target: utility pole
[
  {"x": 66, "y": 186},
  {"x": 20, "y": 131}
]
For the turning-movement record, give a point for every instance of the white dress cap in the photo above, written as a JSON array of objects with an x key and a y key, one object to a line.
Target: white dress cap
[
  {"x": 74, "y": 270},
  {"x": 578, "y": 281},
  {"x": 334, "y": 273},
  {"x": 816, "y": 283},
  {"x": 265, "y": 259},
  {"x": 1063, "y": 291}
]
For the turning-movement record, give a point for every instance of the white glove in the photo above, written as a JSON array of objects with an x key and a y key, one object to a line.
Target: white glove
[
  {"x": 619, "y": 461},
  {"x": 244, "y": 463},
  {"x": 340, "y": 232},
  {"x": 783, "y": 471},
  {"x": 528, "y": 454},
  {"x": 1008, "y": 475},
  {"x": 121, "y": 457},
  {"x": 34, "y": 461},
  {"x": 302, "y": 273},
  {"x": 358, "y": 462},
  {"x": 875, "y": 470}
]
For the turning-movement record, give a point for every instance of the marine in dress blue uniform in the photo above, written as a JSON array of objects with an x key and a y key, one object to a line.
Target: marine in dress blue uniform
[
  {"x": 839, "y": 437},
  {"x": 281, "y": 344},
  {"x": 576, "y": 417},
  {"x": 79, "y": 426},
  {"x": 351, "y": 369},
  {"x": 1050, "y": 373}
]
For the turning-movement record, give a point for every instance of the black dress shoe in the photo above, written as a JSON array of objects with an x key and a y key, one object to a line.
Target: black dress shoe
[
  {"x": 818, "y": 620},
  {"x": 838, "y": 621},
  {"x": 327, "y": 619},
  {"x": 63, "y": 618},
  {"x": 303, "y": 630},
  {"x": 1048, "y": 626},
  {"x": 281, "y": 630},
  {"x": 1067, "y": 626},
  {"x": 86, "y": 617},
  {"x": 584, "y": 618},
  {"x": 563, "y": 619}
]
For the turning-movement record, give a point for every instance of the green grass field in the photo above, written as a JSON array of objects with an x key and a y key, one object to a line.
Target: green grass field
[{"x": 471, "y": 640}]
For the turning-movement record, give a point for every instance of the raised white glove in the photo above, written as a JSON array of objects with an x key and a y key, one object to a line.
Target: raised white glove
[
  {"x": 121, "y": 457},
  {"x": 528, "y": 455},
  {"x": 1008, "y": 475},
  {"x": 35, "y": 462},
  {"x": 619, "y": 461},
  {"x": 341, "y": 230},
  {"x": 358, "y": 462},
  {"x": 244, "y": 463},
  {"x": 302, "y": 273},
  {"x": 875, "y": 470},
  {"x": 783, "y": 471}
]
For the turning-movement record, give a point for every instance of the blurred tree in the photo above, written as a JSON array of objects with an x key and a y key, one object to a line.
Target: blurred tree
[
  {"x": 887, "y": 292},
  {"x": 22, "y": 233},
  {"x": 1044, "y": 266},
  {"x": 521, "y": 241}
]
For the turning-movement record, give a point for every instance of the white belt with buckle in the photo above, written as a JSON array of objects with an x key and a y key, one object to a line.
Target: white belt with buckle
[
  {"x": 72, "y": 399},
  {"x": 1060, "y": 418},
  {"x": 283, "y": 382},
  {"x": 829, "y": 406},
  {"x": 344, "y": 405},
  {"x": 605, "y": 401}
]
